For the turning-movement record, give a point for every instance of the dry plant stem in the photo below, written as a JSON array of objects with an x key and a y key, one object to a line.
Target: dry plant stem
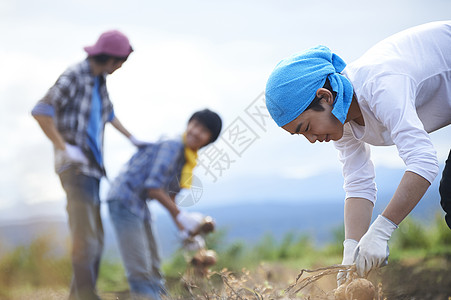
[
  {"x": 325, "y": 271},
  {"x": 256, "y": 294},
  {"x": 380, "y": 292},
  {"x": 189, "y": 286},
  {"x": 226, "y": 281}
]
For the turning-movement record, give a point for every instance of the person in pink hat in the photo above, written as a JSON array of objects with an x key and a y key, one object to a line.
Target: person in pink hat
[{"x": 73, "y": 114}]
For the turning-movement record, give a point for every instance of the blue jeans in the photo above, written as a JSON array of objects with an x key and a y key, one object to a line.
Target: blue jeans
[
  {"x": 83, "y": 208},
  {"x": 139, "y": 252}
]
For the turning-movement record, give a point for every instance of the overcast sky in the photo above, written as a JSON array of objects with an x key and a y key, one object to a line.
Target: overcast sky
[{"x": 188, "y": 55}]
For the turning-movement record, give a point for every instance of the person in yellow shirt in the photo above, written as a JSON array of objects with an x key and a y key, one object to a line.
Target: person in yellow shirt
[{"x": 157, "y": 171}]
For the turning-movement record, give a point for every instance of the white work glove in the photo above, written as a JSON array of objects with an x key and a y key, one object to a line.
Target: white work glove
[
  {"x": 192, "y": 243},
  {"x": 136, "y": 142},
  {"x": 348, "y": 259},
  {"x": 71, "y": 154},
  {"x": 372, "y": 250},
  {"x": 189, "y": 220},
  {"x": 183, "y": 235}
]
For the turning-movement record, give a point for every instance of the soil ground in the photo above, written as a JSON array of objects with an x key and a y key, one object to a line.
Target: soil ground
[{"x": 426, "y": 279}]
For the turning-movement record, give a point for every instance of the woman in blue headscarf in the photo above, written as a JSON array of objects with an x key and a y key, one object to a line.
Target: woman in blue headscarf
[{"x": 395, "y": 94}]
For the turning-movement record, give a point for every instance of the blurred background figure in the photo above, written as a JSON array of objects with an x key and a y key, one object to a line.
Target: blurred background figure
[
  {"x": 73, "y": 115},
  {"x": 158, "y": 171}
]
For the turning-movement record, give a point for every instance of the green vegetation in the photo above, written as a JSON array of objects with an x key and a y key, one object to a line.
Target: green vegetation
[
  {"x": 412, "y": 241},
  {"x": 416, "y": 239},
  {"x": 32, "y": 267},
  {"x": 292, "y": 249},
  {"x": 35, "y": 267}
]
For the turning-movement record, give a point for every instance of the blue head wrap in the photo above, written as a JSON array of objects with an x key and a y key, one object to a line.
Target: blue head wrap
[{"x": 293, "y": 83}]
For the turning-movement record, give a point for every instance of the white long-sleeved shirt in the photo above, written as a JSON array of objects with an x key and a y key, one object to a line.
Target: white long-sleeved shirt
[{"x": 403, "y": 87}]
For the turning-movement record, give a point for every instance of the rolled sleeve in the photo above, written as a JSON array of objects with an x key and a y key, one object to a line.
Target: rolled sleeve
[
  {"x": 43, "y": 109},
  {"x": 111, "y": 116},
  {"x": 424, "y": 163}
]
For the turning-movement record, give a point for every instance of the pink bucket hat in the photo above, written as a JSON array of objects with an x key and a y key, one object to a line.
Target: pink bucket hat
[{"x": 113, "y": 43}]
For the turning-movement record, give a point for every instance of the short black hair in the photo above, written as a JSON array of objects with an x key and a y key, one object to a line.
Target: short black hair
[
  {"x": 315, "y": 103},
  {"x": 209, "y": 119},
  {"x": 102, "y": 59}
]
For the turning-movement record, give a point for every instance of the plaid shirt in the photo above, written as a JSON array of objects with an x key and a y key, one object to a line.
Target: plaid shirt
[
  {"x": 69, "y": 102},
  {"x": 155, "y": 166}
]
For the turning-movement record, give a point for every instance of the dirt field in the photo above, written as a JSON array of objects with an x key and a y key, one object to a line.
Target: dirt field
[{"x": 426, "y": 279}]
